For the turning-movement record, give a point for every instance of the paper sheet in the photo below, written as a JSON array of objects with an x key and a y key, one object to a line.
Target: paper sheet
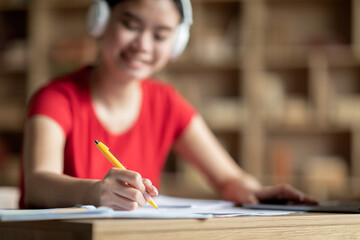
[
  {"x": 174, "y": 202},
  {"x": 55, "y": 213},
  {"x": 169, "y": 207},
  {"x": 172, "y": 207}
]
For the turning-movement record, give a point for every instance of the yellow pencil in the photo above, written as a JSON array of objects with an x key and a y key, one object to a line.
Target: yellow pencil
[{"x": 105, "y": 150}]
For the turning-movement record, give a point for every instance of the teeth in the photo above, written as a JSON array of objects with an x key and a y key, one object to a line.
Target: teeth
[{"x": 136, "y": 61}]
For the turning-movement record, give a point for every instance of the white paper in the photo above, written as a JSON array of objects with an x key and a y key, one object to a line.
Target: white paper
[
  {"x": 175, "y": 202},
  {"x": 161, "y": 213},
  {"x": 173, "y": 207},
  {"x": 55, "y": 213},
  {"x": 238, "y": 211},
  {"x": 169, "y": 207}
]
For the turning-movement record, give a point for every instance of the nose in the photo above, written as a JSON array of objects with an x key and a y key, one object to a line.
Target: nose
[{"x": 144, "y": 42}]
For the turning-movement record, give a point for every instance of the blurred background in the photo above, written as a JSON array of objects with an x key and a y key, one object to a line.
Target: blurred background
[{"x": 278, "y": 82}]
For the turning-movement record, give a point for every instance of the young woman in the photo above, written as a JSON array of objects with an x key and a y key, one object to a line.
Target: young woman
[{"x": 116, "y": 101}]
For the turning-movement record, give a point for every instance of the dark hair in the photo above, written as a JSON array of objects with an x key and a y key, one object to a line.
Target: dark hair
[{"x": 178, "y": 5}]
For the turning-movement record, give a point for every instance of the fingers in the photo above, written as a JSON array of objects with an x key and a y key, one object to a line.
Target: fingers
[
  {"x": 120, "y": 194},
  {"x": 237, "y": 191},
  {"x": 284, "y": 192},
  {"x": 292, "y": 194},
  {"x": 130, "y": 177},
  {"x": 128, "y": 192},
  {"x": 125, "y": 190},
  {"x": 117, "y": 202},
  {"x": 151, "y": 189}
]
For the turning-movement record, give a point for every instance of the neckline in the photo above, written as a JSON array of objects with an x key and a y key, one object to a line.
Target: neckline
[{"x": 128, "y": 130}]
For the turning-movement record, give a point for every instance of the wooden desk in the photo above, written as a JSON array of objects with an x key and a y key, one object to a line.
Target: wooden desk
[{"x": 301, "y": 226}]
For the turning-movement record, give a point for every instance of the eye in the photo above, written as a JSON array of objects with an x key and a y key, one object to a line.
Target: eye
[
  {"x": 130, "y": 25},
  {"x": 160, "y": 37}
]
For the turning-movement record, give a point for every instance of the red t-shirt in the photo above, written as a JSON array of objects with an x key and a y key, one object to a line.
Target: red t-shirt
[{"x": 143, "y": 148}]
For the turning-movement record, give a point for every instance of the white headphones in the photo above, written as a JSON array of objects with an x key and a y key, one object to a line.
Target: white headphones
[{"x": 99, "y": 14}]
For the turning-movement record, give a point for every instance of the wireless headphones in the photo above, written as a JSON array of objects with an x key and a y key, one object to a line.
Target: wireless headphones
[{"x": 99, "y": 14}]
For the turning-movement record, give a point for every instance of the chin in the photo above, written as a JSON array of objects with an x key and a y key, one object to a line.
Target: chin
[
  {"x": 134, "y": 75},
  {"x": 130, "y": 73}
]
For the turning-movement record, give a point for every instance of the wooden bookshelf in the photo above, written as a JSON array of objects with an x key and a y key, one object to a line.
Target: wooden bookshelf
[
  {"x": 13, "y": 83},
  {"x": 297, "y": 88}
]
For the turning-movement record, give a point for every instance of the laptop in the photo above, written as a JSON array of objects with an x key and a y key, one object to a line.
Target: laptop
[{"x": 326, "y": 206}]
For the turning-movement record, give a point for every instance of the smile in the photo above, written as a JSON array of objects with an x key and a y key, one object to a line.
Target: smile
[{"x": 134, "y": 63}]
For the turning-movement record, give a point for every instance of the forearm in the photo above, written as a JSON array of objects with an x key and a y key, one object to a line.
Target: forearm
[
  {"x": 198, "y": 145},
  {"x": 48, "y": 190},
  {"x": 249, "y": 181}
]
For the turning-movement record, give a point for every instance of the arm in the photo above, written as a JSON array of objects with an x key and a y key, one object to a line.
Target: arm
[
  {"x": 199, "y": 146},
  {"x": 47, "y": 186}
]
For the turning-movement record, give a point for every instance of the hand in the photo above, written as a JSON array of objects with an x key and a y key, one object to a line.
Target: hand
[
  {"x": 283, "y": 193},
  {"x": 241, "y": 190},
  {"x": 124, "y": 190},
  {"x": 248, "y": 190}
]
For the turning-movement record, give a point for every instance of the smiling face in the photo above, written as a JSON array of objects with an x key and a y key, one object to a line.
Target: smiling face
[{"x": 139, "y": 37}]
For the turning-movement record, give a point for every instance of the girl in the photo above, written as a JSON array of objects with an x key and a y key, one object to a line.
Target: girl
[{"x": 116, "y": 101}]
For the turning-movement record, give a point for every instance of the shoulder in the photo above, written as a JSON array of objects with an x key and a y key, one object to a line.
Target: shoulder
[
  {"x": 60, "y": 91},
  {"x": 65, "y": 86},
  {"x": 68, "y": 82},
  {"x": 59, "y": 97}
]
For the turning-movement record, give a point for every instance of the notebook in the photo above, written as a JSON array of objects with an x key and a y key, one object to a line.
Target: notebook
[{"x": 325, "y": 206}]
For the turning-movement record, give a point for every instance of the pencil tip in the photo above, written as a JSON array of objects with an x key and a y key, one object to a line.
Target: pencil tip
[{"x": 96, "y": 142}]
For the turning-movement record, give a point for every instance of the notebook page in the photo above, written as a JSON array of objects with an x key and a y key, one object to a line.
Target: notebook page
[{"x": 174, "y": 202}]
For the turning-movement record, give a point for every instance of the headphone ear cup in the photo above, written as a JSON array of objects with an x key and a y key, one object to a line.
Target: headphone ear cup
[
  {"x": 97, "y": 17},
  {"x": 182, "y": 36}
]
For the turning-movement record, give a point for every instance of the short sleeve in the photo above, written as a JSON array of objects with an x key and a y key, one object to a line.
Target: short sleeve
[{"x": 53, "y": 103}]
